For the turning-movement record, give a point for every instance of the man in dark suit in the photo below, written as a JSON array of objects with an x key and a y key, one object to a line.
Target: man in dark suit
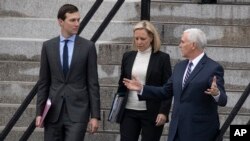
[
  {"x": 68, "y": 76},
  {"x": 197, "y": 85}
]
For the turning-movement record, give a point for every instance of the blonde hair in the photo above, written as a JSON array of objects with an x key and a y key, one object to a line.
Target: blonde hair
[{"x": 152, "y": 32}]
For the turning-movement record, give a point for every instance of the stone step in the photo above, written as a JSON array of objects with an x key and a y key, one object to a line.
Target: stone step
[
  {"x": 109, "y": 54},
  {"x": 235, "y": 58},
  {"x": 9, "y": 109},
  {"x": 218, "y": 1},
  {"x": 99, "y": 136},
  {"x": 172, "y": 11},
  {"x": 107, "y": 93},
  {"x": 20, "y": 49},
  {"x": 49, "y": 9},
  {"x": 23, "y": 50},
  {"x": 239, "y": 119},
  {"x": 17, "y": 132},
  {"x": 107, "y": 126},
  {"x": 7, "y": 95},
  {"x": 216, "y": 14},
  {"x": 218, "y": 35},
  {"x": 16, "y": 92},
  {"x": 37, "y": 135},
  {"x": 29, "y": 115},
  {"x": 234, "y": 1},
  {"x": 108, "y": 74}
]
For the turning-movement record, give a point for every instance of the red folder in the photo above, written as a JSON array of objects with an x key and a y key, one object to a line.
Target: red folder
[{"x": 45, "y": 111}]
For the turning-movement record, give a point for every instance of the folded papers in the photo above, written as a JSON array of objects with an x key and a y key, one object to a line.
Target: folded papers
[
  {"x": 45, "y": 111},
  {"x": 116, "y": 107}
]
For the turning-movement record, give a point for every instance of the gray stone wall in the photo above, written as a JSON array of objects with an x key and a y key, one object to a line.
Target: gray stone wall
[{"x": 26, "y": 24}]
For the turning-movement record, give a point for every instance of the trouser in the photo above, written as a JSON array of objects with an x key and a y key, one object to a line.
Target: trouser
[
  {"x": 64, "y": 129},
  {"x": 135, "y": 122}
]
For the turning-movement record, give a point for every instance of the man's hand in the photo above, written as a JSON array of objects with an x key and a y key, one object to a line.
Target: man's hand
[
  {"x": 160, "y": 120},
  {"x": 134, "y": 84},
  {"x": 38, "y": 122},
  {"x": 214, "y": 91},
  {"x": 93, "y": 125}
]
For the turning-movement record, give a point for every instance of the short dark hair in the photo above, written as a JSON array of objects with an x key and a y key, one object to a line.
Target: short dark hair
[{"x": 66, "y": 8}]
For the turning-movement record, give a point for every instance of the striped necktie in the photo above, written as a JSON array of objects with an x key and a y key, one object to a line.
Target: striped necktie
[{"x": 190, "y": 64}]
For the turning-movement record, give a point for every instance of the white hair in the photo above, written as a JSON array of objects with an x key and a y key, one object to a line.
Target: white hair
[{"x": 197, "y": 36}]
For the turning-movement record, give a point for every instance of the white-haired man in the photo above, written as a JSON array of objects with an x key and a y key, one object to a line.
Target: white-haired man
[{"x": 197, "y": 85}]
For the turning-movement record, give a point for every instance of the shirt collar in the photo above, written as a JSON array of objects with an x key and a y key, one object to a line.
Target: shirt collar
[
  {"x": 147, "y": 51},
  {"x": 196, "y": 60},
  {"x": 71, "y": 38}
]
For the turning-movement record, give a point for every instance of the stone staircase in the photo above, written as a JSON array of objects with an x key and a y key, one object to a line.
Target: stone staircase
[{"x": 26, "y": 24}]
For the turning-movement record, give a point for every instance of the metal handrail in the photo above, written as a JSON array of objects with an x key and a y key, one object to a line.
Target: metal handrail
[
  {"x": 107, "y": 20},
  {"x": 18, "y": 113},
  {"x": 233, "y": 113},
  {"x": 89, "y": 15},
  {"x": 145, "y": 9},
  {"x": 28, "y": 131}
]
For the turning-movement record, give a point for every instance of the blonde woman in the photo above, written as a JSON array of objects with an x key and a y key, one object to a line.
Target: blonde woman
[{"x": 152, "y": 67}]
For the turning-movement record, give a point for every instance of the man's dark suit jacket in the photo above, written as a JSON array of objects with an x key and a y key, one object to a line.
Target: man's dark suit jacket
[
  {"x": 195, "y": 115},
  {"x": 80, "y": 88},
  {"x": 158, "y": 72}
]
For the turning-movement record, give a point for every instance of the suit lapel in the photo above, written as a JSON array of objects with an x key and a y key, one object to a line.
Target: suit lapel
[
  {"x": 181, "y": 72},
  {"x": 196, "y": 70},
  {"x": 150, "y": 66},
  {"x": 56, "y": 44},
  {"x": 131, "y": 63}
]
